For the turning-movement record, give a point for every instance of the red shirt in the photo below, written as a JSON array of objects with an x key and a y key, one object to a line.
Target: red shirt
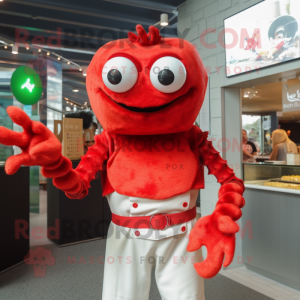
[{"x": 153, "y": 167}]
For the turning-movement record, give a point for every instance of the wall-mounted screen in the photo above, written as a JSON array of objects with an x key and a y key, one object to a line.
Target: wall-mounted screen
[{"x": 263, "y": 35}]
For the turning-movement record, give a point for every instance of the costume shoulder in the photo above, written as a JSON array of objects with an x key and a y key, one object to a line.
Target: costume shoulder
[
  {"x": 104, "y": 139},
  {"x": 196, "y": 135}
]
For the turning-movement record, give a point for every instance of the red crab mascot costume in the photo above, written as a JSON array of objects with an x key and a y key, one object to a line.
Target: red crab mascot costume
[{"x": 146, "y": 91}]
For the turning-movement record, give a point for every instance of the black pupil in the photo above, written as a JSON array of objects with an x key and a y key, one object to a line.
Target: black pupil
[
  {"x": 114, "y": 76},
  {"x": 165, "y": 77}
]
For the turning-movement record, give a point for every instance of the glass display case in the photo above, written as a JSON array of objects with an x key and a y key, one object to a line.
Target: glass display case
[{"x": 272, "y": 175}]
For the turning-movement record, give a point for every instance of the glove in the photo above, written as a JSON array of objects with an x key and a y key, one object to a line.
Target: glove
[
  {"x": 217, "y": 231},
  {"x": 39, "y": 145}
]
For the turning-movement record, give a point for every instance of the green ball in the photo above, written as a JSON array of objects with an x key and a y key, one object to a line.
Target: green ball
[{"x": 26, "y": 85}]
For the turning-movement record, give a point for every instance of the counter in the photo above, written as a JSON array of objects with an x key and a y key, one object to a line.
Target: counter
[
  {"x": 14, "y": 206},
  {"x": 256, "y": 174},
  {"x": 77, "y": 220},
  {"x": 271, "y": 224},
  {"x": 259, "y": 185}
]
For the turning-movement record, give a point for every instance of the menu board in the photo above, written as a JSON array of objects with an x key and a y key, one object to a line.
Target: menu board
[{"x": 72, "y": 139}]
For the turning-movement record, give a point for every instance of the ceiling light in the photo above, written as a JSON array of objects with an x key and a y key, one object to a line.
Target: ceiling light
[
  {"x": 48, "y": 53},
  {"x": 27, "y": 48},
  {"x": 11, "y": 44},
  {"x": 80, "y": 69},
  {"x": 75, "y": 90},
  {"x": 5, "y": 47},
  {"x": 246, "y": 96},
  {"x": 67, "y": 101},
  {"x": 74, "y": 104},
  {"x": 14, "y": 50},
  {"x": 68, "y": 62},
  {"x": 66, "y": 98},
  {"x": 248, "y": 92},
  {"x": 164, "y": 20},
  {"x": 39, "y": 50},
  {"x": 58, "y": 58},
  {"x": 71, "y": 103},
  {"x": 84, "y": 71}
]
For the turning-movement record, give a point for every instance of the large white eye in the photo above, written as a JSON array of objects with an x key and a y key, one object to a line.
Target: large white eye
[
  {"x": 168, "y": 74},
  {"x": 119, "y": 74}
]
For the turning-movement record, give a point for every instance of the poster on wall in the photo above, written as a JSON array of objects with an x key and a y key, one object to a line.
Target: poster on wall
[
  {"x": 291, "y": 98},
  {"x": 261, "y": 36},
  {"x": 72, "y": 138}
]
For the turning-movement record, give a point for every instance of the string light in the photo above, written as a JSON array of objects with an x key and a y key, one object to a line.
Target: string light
[
  {"x": 15, "y": 50},
  {"x": 74, "y": 104}
]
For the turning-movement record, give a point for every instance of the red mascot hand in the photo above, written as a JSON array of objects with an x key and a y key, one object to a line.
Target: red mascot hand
[
  {"x": 39, "y": 145},
  {"x": 217, "y": 231}
]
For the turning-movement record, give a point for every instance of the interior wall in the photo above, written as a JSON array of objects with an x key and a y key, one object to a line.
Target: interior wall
[
  {"x": 294, "y": 128},
  {"x": 194, "y": 17},
  {"x": 232, "y": 141},
  {"x": 233, "y": 129}
]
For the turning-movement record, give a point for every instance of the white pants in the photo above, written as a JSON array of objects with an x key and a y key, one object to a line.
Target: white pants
[{"x": 129, "y": 261}]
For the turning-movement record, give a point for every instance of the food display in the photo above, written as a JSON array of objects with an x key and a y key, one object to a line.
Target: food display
[
  {"x": 283, "y": 185},
  {"x": 291, "y": 178}
]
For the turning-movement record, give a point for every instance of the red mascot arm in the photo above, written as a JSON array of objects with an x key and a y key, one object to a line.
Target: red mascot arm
[
  {"x": 75, "y": 183},
  {"x": 40, "y": 147},
  {"x": 217, "y": 231}
]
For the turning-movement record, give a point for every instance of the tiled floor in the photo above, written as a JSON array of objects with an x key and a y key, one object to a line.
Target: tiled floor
[
  {"x": 250, "y": 279},
  {"x": 38, "y": 221},
  {"x": 262, "y": 284}
]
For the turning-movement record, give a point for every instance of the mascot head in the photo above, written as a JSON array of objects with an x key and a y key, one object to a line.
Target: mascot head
[{"x": 146, "y": 84}]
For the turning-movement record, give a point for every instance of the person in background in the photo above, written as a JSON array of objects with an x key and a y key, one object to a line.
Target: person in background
[
  {"x": 256, "y": 143},
  {"x": 267, "y": 144},
  {"x": 249, "y": 149},
  {"x": 281, "y": 145},
  {"x": 253, "y": 134}
]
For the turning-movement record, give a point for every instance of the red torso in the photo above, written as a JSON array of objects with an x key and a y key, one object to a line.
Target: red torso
[{"x": 153, "y": 167}]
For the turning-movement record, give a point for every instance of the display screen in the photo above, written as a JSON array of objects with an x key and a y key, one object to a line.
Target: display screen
[{"x": 263, "y": 35}]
